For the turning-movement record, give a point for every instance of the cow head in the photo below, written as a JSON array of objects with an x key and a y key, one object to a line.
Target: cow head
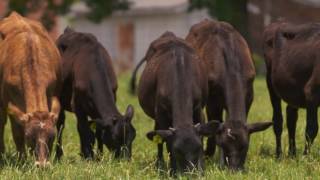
[
  {"x": 233, "y": 138},
  {"x": 70, "y": 41},
  {"x": 40, "y": 132},
  {"x": 39, "y": 129},
  {"x": 119, "y": 136},
  {"x": 185, "y": 145}
]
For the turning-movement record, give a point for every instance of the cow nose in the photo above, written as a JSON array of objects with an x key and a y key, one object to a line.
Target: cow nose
[
  {"x": 236, "y": 168},
  {"x": 42, "y": 164},
  {"x": 125, "y": 153}
]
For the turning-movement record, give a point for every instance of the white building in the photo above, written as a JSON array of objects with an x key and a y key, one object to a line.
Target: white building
[{"x": 127, "y": 35}]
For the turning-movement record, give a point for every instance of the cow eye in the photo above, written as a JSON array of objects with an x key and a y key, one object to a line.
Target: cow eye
[
  {"x": 2, "y": 36},
  {"x": 62, "y": 47},
  {"x": 288, "y": 35},
  {"x": 270, "y": 43}
]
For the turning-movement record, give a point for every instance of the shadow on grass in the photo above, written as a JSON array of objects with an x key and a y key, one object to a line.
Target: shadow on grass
[
  {"x": 267, "y": 152},
  {"x": 12, "y": 160}
]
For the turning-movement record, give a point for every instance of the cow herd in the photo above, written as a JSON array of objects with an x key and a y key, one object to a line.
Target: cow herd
[{"x": 210, "y": 69}]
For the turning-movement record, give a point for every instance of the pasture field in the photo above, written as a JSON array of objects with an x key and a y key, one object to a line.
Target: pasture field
[{"x": 260, "y": 164}]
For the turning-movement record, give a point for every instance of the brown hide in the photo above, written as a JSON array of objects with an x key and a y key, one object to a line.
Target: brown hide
[
  {"x": 293, "y": 76},
  {"x": 214, "y": 41},
  {"x": 173, "y": 90},
  {"x": 231, "y": 73},
  {"x": 29, "y": 79}
]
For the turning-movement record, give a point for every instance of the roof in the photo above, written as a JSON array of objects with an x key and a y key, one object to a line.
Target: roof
[
  {"x": 142, "y": 4},
  {"x": 315, "y": 3},
  {"x": 140, "y": 7}
]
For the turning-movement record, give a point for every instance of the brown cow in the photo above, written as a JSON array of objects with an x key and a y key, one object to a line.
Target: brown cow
[
  {"x": 230, "y": 76},
  {"x": 268, "y": 49},
  {"x": 173, "y": 91},
  {"x": 291, "y": 53},
  {"x": 89, "y": 90},
  {"x": 30, "y": 74}
]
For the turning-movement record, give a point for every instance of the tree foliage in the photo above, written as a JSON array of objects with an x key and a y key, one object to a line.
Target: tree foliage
[
  {"x": 103, "y": 8},
  {"x": 99, "y": 9},
  {"x": 232, "y": 11}
]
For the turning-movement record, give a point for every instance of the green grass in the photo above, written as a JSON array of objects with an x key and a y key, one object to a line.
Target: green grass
[{"x": 260, "y": 163}]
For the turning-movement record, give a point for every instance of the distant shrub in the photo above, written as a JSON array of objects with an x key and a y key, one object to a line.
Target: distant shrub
[{"x": 259, "y": 64}]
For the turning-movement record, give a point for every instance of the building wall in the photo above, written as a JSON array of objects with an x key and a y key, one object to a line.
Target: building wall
[
  {"x": 149, "y": 28},
  {"x": 262, "y": 12},
  {"x": 145, "y": 29},
  {"x": 104, "y": 32}
]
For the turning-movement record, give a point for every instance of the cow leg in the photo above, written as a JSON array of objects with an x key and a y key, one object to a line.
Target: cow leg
[
  {"x": 292, "y": 116},
  {"x": 60, "y": 127},
  {"x": 214, "y": 112},
  {"x": 160, "y": 159},
  {"x": 173, "y": 162},
  {"x": 3, "y": 120},
  {"x": 99, "y": 140},
  {"x": 160, "y": 117},
  {"x": 198, "y": 117},
  {"x": 312, "y": 127},
  {"x": 249, "y": 99},
  {"x": 18, "y": 136},
  {"x": 277, "y": 115},
  {"x": 86, "y": 135}
]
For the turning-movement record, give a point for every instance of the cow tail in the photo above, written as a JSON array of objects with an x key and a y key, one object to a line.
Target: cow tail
[
  {"x": 279, "y": 41},
  {"x": 134, "y": 75}
]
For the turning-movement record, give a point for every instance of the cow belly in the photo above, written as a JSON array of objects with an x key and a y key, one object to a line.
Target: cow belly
[
  {"x": 291, "y": 93},
  {"x": 146, "y": 101}
]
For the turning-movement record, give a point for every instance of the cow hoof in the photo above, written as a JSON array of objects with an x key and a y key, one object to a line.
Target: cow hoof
[
  {"x": 43, "y": 164},
  {"x": 160, "y": 164},
  {"x": 292, "y": 154},
  {"x": 278, "y": 154}
]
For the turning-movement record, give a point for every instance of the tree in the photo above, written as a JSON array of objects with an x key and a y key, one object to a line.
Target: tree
[
  {"x": 48, "y": 9},
  {"x": 103, "y": 8},
  {"x": 232, "y": 11}
]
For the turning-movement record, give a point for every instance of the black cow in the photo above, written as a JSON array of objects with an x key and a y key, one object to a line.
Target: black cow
[
  {"x": 291, "y": 53},
  {"x": 230, "y": 76},
  {"x": 89, "y": 90},
  {"x": 173, "y": 91}
]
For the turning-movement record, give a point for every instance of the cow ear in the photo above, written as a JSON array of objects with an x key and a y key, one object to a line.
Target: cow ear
[
  {"x": 129, "y": 113},
  {"x": 1, "y": 36},
  {"x": 260, "y": 126},
  {"x": 68, "y": 29},
  {"x": 209, "y": 128},
  {"x": 21, "y": 117},
  {"x": 159, "y": 135},
  {"x": 25, "y": 118}
]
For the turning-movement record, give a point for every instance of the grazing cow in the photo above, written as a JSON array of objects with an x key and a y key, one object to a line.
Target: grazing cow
[
  {"x": 89, "y": 90},
  {"x": 29, "y": 81},
  {"x": 291, "y": 58},
  {"x": 230, "y": 77},
  {"x": 292, "y": 112},
  {"x": 173, "y": 91}
]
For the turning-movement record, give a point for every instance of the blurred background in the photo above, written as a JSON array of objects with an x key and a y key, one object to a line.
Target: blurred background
[{"x": 126, "y": 27}]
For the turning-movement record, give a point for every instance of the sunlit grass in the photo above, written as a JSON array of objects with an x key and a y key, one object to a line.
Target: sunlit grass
[{"x": 261, "y": 163}]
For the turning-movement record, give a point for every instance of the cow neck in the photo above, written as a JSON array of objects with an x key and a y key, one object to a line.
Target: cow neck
[
  {"x": 34, "y": 91},
  {"x": 103, "y": 95},
  {"x": 182, "y": 107},
  {"x": 105, "y": 103},
  {"x": 35, "y": 98},
  {"x": 182, "y": 115},
  {"x": 235, "y": 98}
]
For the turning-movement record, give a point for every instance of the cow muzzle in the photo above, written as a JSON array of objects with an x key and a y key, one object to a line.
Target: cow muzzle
[{"x": 42, "y": 164}]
